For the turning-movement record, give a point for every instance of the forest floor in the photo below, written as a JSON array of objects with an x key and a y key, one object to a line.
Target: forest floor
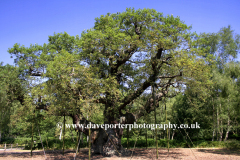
[{"x": 174, "y": 153}]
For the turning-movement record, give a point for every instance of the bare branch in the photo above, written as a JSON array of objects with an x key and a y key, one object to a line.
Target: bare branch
[{"x": 36, "y": 74}]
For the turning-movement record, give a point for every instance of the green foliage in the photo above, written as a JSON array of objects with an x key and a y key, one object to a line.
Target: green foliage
[
  {"x": 162, "y": 143},
  {"x": 12, "y": 92},
  {"x": 109, "y": 70}
]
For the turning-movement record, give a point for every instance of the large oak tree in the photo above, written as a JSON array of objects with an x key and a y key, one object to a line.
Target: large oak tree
[{"x": 111, "y": 66}]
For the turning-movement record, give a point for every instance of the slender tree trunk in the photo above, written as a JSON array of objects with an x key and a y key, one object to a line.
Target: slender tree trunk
[
  {"x": 80, "y": 142},
  {"x": 166, "y": 123},
  {"x": 146, "y": 136},
  {"x": 169, "y": 134},
  {"x": 221, "y": 125},
  {"x": 78, "y": 139},
  {"x": 63, "y": 131},
  {"x": 41, "y": 140},
  {"x": 127, "y": 137},
  {"x": 228, "y": 124},
  {"x": 221, "y": 132},
  {"x": 78, "y": 136},
  {"x": 89, "y": 144},
  {"x": 155, "y": 117},
  {"x": 213, "y": 134},
  {"x": 1, "y": 128},
  {"x": 47, "y": 142},
  {"x": 218, "y": 129},
  {"x": 87, "y": 135},
  {"x": 32, "y": 138},
  {"x": 173, "y": 134},
  {"x": 213, "y": 121}
]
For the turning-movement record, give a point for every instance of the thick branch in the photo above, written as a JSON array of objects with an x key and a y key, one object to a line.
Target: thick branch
[
  {"x": 148, "y": 107},
  {"x": 149, "y": 104},
  {"x": 129, "y": 52},
  {"x": 100, "y": 100},
  {"x": 42, "y": 106},
  {"x": 130, "y": 97},
  {"x": 36, "y": 74},
  {"x": 77, "y": 120},
  {"x": 144, "y": 85},
  {"x": 123, "y": 60}
]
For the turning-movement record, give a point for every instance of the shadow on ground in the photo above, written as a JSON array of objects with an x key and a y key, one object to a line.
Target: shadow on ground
[
  {"x": 69, "y": 154},
  {"x": 235, "y": 152},
  {"x": 174, "y": 153}
]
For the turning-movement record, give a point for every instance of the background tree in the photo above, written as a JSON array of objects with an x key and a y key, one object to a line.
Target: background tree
[
  {"x": 12, "y": 96},
  {"x": 211, "y": 104}
]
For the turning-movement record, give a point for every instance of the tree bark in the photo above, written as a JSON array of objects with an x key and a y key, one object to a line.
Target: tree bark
[
  {"x": 218, "y": 129},
  {"x": 228, "y": 124},
  {"x": 106, "y": 142},
  {"x": 213, "y": 121},
  {"x": 226, "y": 136},
  {"x": 32, "y": 140},
  {"x": 127, "y": 137},
  {"x": 146, "y": 139},
  {"x": 221, "y": 126},
  {"x": 63, "y": 132},
  {"x": 221, "y": 132},
  {"x": 173, "y": 134},
  {"x": 155, "y": 118}
]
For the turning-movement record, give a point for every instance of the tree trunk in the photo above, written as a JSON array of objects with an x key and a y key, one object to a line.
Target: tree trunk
[
  {"x": 89, "y": 144},
  {"x": 32, "y": 140},
  {"x": 218, "y": 129},
  {"x": 213, "y": 122},
  {"x": 221, "y": 132},
  {"x": 63, "y": 132},
  {"x": 0, "y": 135},
  {"x": 127, "y": 137},
  {"x": 213, "y": 134},
  {"x": 166, "y": 123},
  {"x": 1, "y": 118},
  {"x": 47, "y": 143},
  {"x": 228, "y": 124},
  {"x": 226, "y": 137},
  {"x": 78, "y": 137},
  {"x": 155, "y": 118},
  {"x": 146, "y": 139},
  {"x": 106, "y": 142},
  {"x": 169, "y": 133},
  {"x": 173, "y": 134},
  {"x": 80, "y": 142},
  {"x": 221, "y": 128}
]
